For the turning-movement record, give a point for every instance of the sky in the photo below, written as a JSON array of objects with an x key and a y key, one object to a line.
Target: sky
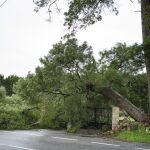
[{"x": 26, "y": 36}]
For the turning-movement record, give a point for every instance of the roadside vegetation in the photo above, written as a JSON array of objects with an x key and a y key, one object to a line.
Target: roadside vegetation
[
  {"x": 60, "y": 92},
  {"x": 134, "y": 136}
]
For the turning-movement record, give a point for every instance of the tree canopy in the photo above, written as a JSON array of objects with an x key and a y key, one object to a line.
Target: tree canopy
[
  {"x": 83, "y": 13},
  {"x": 80, "y": 14}
]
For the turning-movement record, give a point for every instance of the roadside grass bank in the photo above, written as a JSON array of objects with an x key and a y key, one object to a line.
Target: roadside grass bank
[{"x": 133, "y": 136}]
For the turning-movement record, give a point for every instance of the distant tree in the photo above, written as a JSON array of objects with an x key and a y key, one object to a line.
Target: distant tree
[
  {"x": 9, "y": 82},
  {"x": 2, "y": 80},
  {"x": 2, "y": 93}
]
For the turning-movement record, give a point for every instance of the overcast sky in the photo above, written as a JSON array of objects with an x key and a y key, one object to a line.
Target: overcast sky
[{"x": 26, "y": 36}]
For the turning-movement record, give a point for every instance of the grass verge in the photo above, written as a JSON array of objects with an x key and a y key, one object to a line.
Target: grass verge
[{"x": 134, "y": 136}]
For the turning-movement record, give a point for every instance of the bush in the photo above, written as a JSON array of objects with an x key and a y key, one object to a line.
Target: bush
[
  {"x": 52, "y": 116},
  {"x": 11, "y": 113},
  {"x": 11, "y": 120}
]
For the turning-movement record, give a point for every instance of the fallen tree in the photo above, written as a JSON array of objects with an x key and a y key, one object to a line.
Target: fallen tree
[{"x": 124, "y": 104}]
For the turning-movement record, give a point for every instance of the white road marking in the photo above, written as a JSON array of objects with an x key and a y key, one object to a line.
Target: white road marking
[
  {"x": 13, "y": 146},
  {"x": 9, "y": 131},
  {"x": 33, "y": 134},
  {"x": 105, "y": 144},
  {"x": 141, "y": 148},
  {"x": 64, "y": 138}
]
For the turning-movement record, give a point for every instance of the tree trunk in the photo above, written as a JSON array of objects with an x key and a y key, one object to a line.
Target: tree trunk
[
  {"x": 125, "y": 104},
  {"x": 145, "y": 15}
]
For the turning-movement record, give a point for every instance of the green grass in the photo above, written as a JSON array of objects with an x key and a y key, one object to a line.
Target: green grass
[{"x": 134, "y": 136}]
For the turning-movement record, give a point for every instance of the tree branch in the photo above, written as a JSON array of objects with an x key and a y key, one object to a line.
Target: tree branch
[
  {"x": 3, "y": 3},
  {"x": 57, "y": 92}
]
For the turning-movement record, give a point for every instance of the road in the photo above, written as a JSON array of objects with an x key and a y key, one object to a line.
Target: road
[{"x": 59, "y": 140}]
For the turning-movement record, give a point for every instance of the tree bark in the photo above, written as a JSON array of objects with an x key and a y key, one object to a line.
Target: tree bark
[
  {"x": 125, "y": 104},
  {"x": 145, "y": 15}
]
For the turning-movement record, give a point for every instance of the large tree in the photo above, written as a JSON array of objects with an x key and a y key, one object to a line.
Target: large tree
[
  {"x": 83, "y": 13},
  {"x": 145, "y": 13}
]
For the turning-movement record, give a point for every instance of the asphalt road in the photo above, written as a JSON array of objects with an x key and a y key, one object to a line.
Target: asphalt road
[{"x": 59, "y": 140}]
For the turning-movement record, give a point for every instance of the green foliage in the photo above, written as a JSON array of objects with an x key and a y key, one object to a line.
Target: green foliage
[
  {"x": 127, "y": 59},
  {"x": 60, "y": 86},
  {"x": 11, "y": 120},
  {"x": 11, "y": 113},
  {"x": 64, "y": 74},
  {"x": 137, "y": 88},
  {"x": 63, "y": 89},
  {"x": 31, "y": 117},
  {"x": 28, "y": 89},
  {"x": 122, "y": 68},
  {"x": 52, "y": 115}
]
